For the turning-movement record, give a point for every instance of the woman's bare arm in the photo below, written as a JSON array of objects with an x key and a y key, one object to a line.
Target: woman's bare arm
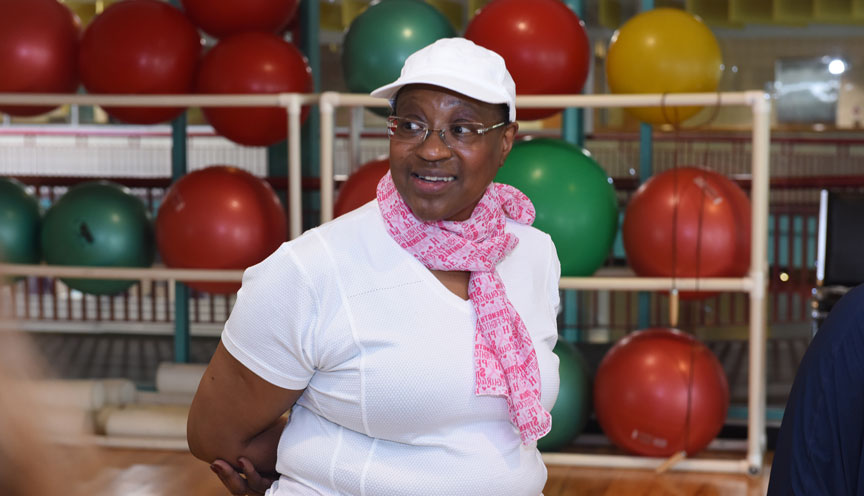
[{"x": 236, "y": 413}]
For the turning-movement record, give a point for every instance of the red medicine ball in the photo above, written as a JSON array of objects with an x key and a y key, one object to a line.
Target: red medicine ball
[
  {"x": 38, "y": 51},
  {"x": 219, "y": 218}
]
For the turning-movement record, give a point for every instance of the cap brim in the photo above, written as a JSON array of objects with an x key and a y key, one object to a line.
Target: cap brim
[{"x": 463, "y": 86}]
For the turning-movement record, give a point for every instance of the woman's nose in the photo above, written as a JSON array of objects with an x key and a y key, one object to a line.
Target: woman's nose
[{"x": 434, "y": 147}]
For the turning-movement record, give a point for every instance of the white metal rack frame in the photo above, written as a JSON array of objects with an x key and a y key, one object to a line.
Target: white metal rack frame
[
  {"x": 292, "y": 102},
  {"x": 754, "y": 283}
]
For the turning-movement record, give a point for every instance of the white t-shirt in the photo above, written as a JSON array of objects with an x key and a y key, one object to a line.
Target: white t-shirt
[{"x": 385, "y": 353}]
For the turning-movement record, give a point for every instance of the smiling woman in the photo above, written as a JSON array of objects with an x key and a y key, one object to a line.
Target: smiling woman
[{"x": 412, "y": 337}]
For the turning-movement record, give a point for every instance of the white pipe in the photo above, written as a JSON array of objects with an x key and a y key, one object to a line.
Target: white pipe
[
  {"x": 77, "y": 394},
  {"x": 352, "y": 100},
  {"x": 148, "y": 421},
  {"x": 143, "y": 273},
  {"x": 822, "y": 237},
  {"x": 326, "y": 106},
  {"x": 741, "y": 284},
  {"x": 739, "y": 98},
  {"x": 257, "y": 100},
  {"x": 759, "y": 274},
  {"x": 295, "y": 174},
  {"x": 642, "y": 100},
  {"x": 637, "y": 462},
  {"x": 177, "y": 100},
  {"x": 161, "y": 443},
  {"x": 179, "y": 377},
  {"x": 146, "y": 328}
]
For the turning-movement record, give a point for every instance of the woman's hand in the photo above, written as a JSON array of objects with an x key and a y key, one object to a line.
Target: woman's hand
[{"x": 250, "y": 483}]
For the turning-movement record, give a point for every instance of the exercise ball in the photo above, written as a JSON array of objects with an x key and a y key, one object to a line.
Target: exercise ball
[
  {"x": 573, "y": 197},
  {"x": 361, "y": 186},
  {"x": 688, "y": 222},
  {"x": 98, "y": 224},
  {"x": 544, "y": 45},
  {"x": 221, "y": 18},
  {"x": 143, "y": 47},
  {"x": 253, "y": 63},
  {"x": 38, "y": 51},
  {"x": 571, "y": 408},
  {"x": 663, "y": 51},
  {"x": 20, "y": 221},
  {"x": 660, "y": 391},
  {"x": 219, "y": 218},
  {"x": 379, "y": 40}
]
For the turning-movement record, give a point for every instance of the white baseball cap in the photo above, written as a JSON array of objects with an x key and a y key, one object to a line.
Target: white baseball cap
[{"x": 459, "y": 65}]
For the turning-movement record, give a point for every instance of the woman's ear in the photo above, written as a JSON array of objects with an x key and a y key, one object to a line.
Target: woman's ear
[{"x": 507, "y": 140}]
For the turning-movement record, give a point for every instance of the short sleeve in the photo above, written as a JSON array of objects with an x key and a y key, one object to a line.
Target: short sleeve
[
  {"x": 553, "y": 294},
  {"x": 554, "y": 279},
  {"x": 271, "y": 329}
]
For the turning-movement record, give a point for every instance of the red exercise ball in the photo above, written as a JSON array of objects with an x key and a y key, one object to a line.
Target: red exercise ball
[
  {"x": 221, "y": 18},
  {"x": 253, "y": 63},
  {"x": 544, "y": 45},
  {"x": 219, "y": 218},
  {"x": 361, "y": 186},
  {"x": 140, "y": 47},
  {"x": 688, "y": 222},
  {"x": 660, "y": 391},
  {"x": 38, "y": 51}
]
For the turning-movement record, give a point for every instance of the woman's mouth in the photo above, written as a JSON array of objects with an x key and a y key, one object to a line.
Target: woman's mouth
[{"x": 435, "y": 179}]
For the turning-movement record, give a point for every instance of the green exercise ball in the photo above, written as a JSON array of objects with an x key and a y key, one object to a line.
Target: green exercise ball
[
  {"x": 99, "y": 224},
  {"x": 380, "y": 39},
  {"x": 574, "y": 199},
  {"x": 20, "y": 218},
  {"x": 571, "y": 408}
]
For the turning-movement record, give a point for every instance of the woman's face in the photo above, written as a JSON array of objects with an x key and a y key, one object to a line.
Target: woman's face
[{"x": 468, "y": 170}]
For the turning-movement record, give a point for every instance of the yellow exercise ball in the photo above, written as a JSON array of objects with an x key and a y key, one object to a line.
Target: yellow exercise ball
[{"x": 664, "y": 51}]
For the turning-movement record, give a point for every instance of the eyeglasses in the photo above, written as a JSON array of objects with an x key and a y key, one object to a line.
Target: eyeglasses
[{"x": 459, "y": 135}]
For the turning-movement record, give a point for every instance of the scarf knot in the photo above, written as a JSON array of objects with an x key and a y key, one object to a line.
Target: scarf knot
[{"x": 505, "y": 362}]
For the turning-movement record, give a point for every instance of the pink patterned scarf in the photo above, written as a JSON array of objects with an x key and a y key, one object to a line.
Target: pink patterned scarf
[{"x": 505, "y": 362}]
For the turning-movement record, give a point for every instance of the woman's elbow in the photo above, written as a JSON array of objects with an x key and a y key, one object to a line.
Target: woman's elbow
[
  {"x": 197, "y": 442},
  {"x": 203, "y": 438}
]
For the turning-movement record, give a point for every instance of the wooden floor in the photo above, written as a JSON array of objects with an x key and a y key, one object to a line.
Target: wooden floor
[{"x": 156, "y": 473}]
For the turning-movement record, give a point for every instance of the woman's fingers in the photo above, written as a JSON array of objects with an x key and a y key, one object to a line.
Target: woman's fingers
[
  {"x": 255, "y": 481},
  {"x": 230, "y": 478}
]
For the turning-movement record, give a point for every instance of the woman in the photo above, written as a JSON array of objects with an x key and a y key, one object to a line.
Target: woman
[{"x": 412, "y": 338}]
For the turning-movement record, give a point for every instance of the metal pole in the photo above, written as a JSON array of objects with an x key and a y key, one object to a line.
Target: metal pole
[
  {"x": 646, "y": 169},
  {"x": 182, "y": 338},
  {"x": 311, "y": 142},
  {"x": 179, "y": 167}
]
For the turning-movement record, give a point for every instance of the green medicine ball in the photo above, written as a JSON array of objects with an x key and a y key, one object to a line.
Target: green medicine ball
[
  {"x": 98, "y": 224},
  {"x": 380, "y": 39},
  {"x": 20, "y": 219},
  {"x": 574, "y": 199},
  {"x": 571, "y": 408}
]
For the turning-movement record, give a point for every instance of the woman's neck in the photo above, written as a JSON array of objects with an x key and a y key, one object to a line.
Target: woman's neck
[{"x": 454, "y": 280}]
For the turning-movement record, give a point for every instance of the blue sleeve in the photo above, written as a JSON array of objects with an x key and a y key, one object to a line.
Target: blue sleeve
[{"x": 820, "y": 447}]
